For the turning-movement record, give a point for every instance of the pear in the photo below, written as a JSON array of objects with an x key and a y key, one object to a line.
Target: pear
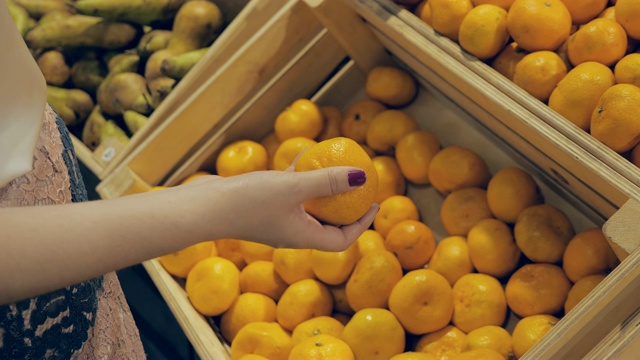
[
  {"x": 38, "y": 8},
  {"x": 159, "y": 89},
  {"x": 54, "y": 67},
  {"x": 21, "y": 17},
  {"x": 55, "y": 15},
  {"x": 153, "y": 66},
  {"x": 82, "y": 31},
  {"x": 143, "y": 12},
  {"x": 88, "y": 74},
  {"x": 111, "y": 130},
  {"x": 72, "y": 105},
  {"x": 123, "y": 62},
  {"x": 134, "y": 120},
  {"x": 177, "y": 66},
  {"x": 93, "y": 128},
  {"x": 196, "y": 25},
  {"x": 124, "y": 91},
  {"x": 153, "y": 41}
]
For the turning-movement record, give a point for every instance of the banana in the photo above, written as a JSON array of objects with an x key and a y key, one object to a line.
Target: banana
[
  {"x": 177, "y": 66},
  {"x": 37, "y": 8},
  {"x": 88, "y": 74},
  {"x": 134, "y": 120},
  {"x": 72, "y": 105},
  {"x": 82, "y": 31},
  {"x": 143, "y": 12},
  {"x": 21, "y": 17},
  {"x": 54, "y": 67},
  {"x": 153, "y": 41},
  {"x": 122, "y": 92},
  {"x": 111, "y": 130},
  {"x": 93, "y": 128}
]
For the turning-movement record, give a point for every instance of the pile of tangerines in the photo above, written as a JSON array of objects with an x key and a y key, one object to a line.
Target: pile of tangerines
[
  {"x": 579, "y": 57},
  {"x": 398, "y": 292}
]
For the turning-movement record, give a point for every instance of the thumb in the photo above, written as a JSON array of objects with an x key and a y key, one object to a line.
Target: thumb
[{"x": 331, "y": 181}]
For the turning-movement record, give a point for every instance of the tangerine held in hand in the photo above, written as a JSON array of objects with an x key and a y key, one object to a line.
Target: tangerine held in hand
[{"x": 345, "y": 208}]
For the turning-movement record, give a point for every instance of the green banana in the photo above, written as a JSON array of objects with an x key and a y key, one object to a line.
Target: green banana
[
  {"x": 111, "y": 130},
  {"x": 21, "y": 17},
  {"x": 143, "y": 12},
  {"x": 93, "y": 128},
  {"x": 82, "y": 31},
  {"x": 88, "y": 74},
  {"x": 37, "y": 8},
  {"x": 72, "y": 105},
  {"x": 134, "y": 120},
  {"x": 153, "y": 41},
  {"x": 122, "y": 92},
  {"x": 177, "y": 66}
]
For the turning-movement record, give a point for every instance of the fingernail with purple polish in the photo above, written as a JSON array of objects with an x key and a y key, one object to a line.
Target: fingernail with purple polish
[{"x": 357, "y": 177}]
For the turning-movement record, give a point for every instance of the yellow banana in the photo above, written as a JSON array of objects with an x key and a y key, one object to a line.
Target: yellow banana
[
  {"x": 177, "y": 66},
  {"x": 143, "y": 12},
  {"x": 82, "y": 31},
  {"x": 93, "y": 128},
  {"x": 72, "y": 105}
]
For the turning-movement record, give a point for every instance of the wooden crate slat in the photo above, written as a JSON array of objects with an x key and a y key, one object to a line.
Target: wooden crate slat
[
  {"x": 507, "y": 87},
  {"x": 251, "y": 67},
  {"x": 314, "y": 63}
]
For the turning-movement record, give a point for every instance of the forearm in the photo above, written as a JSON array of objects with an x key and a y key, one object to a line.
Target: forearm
[{"x": 45, "y": 248}]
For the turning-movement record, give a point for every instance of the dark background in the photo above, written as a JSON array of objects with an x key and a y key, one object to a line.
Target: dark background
[{"x": 161, "y": 334}]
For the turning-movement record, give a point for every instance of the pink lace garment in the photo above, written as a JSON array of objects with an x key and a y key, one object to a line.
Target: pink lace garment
[{"x": 52, "y": 326}]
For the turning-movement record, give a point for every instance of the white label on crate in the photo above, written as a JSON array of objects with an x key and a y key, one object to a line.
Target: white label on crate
[{"x": 108, "y": 154}]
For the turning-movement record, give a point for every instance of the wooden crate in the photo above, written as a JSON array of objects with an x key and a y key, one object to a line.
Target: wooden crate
[
  {"x": 460, "y": 108},
  {"x": 291, "y": 36},
  {"x": 387, "y": 10},
  {"x": 243, "y": 19}
]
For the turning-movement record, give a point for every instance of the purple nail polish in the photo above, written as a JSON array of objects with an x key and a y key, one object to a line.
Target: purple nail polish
[{"x": 357, "y": 177}]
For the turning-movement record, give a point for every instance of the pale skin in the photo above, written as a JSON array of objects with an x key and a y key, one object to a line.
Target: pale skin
[{"x": 45, "y": 248}]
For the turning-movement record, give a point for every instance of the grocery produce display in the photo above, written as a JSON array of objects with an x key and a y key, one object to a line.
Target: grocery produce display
[
  {"x": 466, "y": 259},
  {"x": 109, "y": 64},
  {"x": 575, "y": 57}
]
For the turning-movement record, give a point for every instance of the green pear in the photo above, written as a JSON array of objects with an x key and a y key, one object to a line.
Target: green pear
[
  {"x": 122, "y": 92},
  {"x": 72, "y": 105},
  {"x": 92, "y": 129},
  {"x": 134, "y": 120}
]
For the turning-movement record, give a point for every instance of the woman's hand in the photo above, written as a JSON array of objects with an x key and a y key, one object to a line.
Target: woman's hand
[{"x": 267, "y": 207}]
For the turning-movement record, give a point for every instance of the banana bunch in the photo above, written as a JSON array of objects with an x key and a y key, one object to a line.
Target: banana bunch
[{"x": 110, "y": 63}]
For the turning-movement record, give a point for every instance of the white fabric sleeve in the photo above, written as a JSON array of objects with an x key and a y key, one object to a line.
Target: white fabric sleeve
[{"x": 23, "y": 96}]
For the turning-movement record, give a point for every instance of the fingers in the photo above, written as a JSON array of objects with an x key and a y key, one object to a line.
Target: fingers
[
  {"x": 330, "y": 181},
  {"x": 340, "y": 238}
]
